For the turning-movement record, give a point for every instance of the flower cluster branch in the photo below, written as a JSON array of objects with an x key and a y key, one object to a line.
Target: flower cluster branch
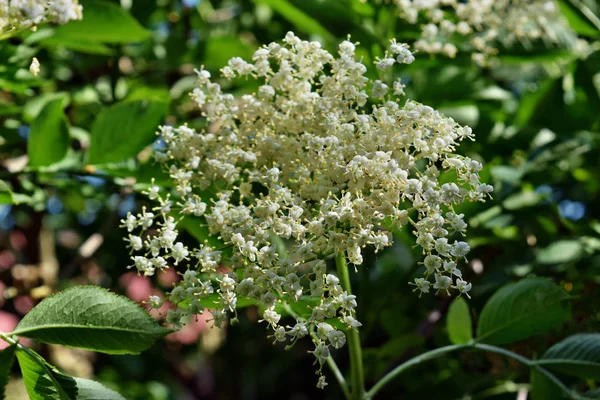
[{"x": 320, "y": 157}]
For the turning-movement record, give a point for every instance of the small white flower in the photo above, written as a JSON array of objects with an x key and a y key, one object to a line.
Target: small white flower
[
  {"x": 460, "y": 249},
  {"x": 337, "y": 339},
  {"x": 442, "y": 282},
  {"x": 463, "y": 287},
  {"x": 321, "y": 353},
  {"x": 179, "y": 252}
]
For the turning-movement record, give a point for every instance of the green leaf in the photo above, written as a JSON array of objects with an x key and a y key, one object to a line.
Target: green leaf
[
  {"x": 92, "y": 390},
  {"x": 458, "y": 322},
  {"x": 82, "y": 46},
  {"x": 199, "y": 230},
  {"x": 102, "y": 22},
  {"x": 521, "y": 200},
  {"x": 466, "y": 114},
  {"x": 7, "y": 357},
  {"x": 124, "y": 129},
  {"x": 49, "y": 135},
  {"x": 92, "y": 318},
  {"x": 220, "y": 49},
  {"x": 520, "y": 310},
  {"x": 559, "y": 252},
  {"x": 44, "y": 382},
  {"x": 301, "y": 20},
  {"x": 542, "y": 388},
  {"x": 6, "y": 195},
  {"x": 576, "y": 18},
  {"x": 577, "y": 355},
  {"x": 34, "y": 107}
]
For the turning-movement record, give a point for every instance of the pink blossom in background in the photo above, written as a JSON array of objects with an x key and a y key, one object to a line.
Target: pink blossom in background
[
  {"x": 18, "y": 240},
  {"x": 2, "y": 287},
  {"x": 190, "y": 333},
  {"x": 7, "y": 259},
  {"x": 23, "y": 304},
  {"x": 137, "y": 287},
  {"x": 8, "y": 322},
  {"x": 168, "y": 278}
]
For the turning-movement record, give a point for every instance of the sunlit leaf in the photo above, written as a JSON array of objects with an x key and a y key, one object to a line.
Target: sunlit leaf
[{"x": 92, "y": 318}]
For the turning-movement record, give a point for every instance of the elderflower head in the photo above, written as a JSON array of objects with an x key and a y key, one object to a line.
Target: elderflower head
[
  {"x": 485, "y": 24},
  {"x": 313, "y": 159},
  {"x": 25, "y": 14}
]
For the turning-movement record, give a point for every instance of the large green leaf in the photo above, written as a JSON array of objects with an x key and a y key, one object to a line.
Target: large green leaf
[
  {"x": 521, "y": 310},
  {"x": 542, "y": 388},
  {"x": 102, "y": 22},
  {"x": 575, "y": 14},
  {"x": 44, "y": 382},
  {"x": 7, "y": 357},
  {"x": 577, "y": 355},
  {"x": 92, "y": 318},
  {"x": 561, "y": 251},
  {"x": 300, "y": 19},
  {"x": 458, "y": 322},
  {"x": 124, "y": 129},
  {"x": 34, "y": 107},
  {"x": 49, "y": 135}
]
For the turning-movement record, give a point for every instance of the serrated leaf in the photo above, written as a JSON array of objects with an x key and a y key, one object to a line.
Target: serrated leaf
[
  {"x": 520, "y": 310},
  {"x": 92, "y": 390},
  {"x": 49, "y": 135},
  {"x": 44, "y": 382},
  {"x": 124, "y": 129},
  {"x": 102, "y": 22},
  {"x": 458, "y": 322},
  {"x": 577, "y": 355},
  {"x": 92, "y": 318},
  {"x": 7, "y": 357}
]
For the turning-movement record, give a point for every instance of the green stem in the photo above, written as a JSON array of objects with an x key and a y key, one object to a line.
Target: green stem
[
  {"x": 478, "y": 346},
  {"x": 8, "y": 339},
  {"x": 356, "y": 364},
  {"x": 413, "y": 361}
]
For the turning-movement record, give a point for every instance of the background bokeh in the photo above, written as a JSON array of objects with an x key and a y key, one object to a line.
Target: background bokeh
[{"x": 535, "y": 110}]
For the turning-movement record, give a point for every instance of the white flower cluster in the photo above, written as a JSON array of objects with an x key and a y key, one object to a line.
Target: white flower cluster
[
  {"x": 24, "y": 14},
  {"x": 311, "y": 163},
  {"x": 485, "y": 23}
]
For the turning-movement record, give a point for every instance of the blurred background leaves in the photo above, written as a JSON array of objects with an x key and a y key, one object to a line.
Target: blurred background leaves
[{"x": 75, "y": 147}]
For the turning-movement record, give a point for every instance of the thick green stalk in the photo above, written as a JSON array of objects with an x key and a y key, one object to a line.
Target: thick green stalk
[{"x": 356, "y": 366}]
